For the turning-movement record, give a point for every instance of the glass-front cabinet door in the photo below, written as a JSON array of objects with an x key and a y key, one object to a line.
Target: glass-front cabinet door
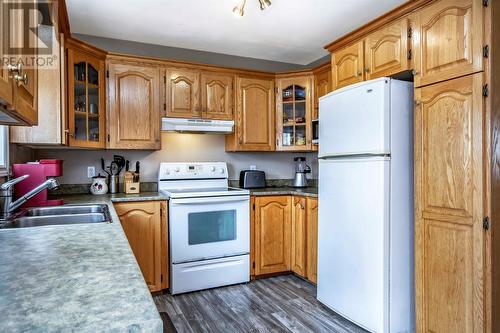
[
  {"x": 86, "y": 104},
  {"x": 293, "y": 103}
]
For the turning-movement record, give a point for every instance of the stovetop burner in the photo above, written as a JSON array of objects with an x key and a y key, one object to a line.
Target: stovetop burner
[{"x": 191, "y": 180}]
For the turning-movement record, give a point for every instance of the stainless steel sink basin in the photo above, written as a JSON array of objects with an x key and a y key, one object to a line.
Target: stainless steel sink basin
[
  {"x": 65, "y": 210},
  {"x": 60, "y": 215}
]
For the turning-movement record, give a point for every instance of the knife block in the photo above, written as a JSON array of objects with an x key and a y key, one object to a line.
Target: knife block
[
  {"x": 131, "y": 187},
  {"x": 129, "y": 184}
]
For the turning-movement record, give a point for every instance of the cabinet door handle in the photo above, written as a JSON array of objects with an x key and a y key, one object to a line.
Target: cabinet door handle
[
  {"x": 15, "y": 69},
  {"x": 414, "y": 72},
  {"x": 367, "y": 70},
  {"x": 21, "y": 78}
]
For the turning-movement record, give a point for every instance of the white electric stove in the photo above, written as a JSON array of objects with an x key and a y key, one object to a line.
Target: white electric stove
[{"x": 209, "y": 226}]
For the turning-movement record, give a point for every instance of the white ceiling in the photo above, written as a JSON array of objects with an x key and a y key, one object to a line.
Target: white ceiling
[{"x": 292, "y": 31}]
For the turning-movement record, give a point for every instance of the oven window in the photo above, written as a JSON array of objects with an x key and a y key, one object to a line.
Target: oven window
[{"x": 209, "y": 227}]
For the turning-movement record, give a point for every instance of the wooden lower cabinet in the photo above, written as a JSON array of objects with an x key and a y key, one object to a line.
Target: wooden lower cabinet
[
  {"x": 449, "y": 192},
  {"x": 145, "y": 225},
  {"x": 312, "y": 239},
  {"x": 284, "y": 236},
  {"x": 299, "y": 236},
  {"x": 273, "y": 226}
]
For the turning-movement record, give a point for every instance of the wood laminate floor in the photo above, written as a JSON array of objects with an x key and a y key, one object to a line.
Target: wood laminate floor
[{"x": 277, "y": 304}]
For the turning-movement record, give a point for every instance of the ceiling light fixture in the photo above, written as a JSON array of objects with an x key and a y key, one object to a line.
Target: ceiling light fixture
[
  {"x": 239, "y": 10},
  {"x": 264, "y": 4}
]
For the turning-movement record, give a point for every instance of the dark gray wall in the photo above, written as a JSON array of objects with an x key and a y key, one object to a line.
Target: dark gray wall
[{"x": 209, "y": 58}]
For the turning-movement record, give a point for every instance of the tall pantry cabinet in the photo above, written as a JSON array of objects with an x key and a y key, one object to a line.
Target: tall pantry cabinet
[
  {"x": 453, "y": 55},
  {"x": 454, "y": 225}
]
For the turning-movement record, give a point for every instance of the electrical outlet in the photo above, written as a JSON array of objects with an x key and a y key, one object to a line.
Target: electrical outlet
[
  {"x": 253, "y": 167},
  {"x": 90, "y": 171}
]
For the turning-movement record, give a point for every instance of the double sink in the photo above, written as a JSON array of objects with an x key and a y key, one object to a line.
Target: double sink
[{"x": 59, "y": 215}]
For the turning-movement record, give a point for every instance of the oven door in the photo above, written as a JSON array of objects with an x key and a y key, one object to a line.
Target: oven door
[{"x": 209, "y": 227}]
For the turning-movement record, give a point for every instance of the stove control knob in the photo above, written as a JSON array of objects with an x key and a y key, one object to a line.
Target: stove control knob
[
  {"x": 167, "y": 172},
  {"x": 177, "y": 169},
  {"x": 221, "y": 170},
  {"x": 212, "y": 168}
]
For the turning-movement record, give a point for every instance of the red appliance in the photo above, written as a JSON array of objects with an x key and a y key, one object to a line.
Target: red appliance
[{"x": 38, "y": 173}]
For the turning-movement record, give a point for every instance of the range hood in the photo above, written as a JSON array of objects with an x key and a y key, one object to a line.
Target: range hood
[{"x": 197, "y": 125}]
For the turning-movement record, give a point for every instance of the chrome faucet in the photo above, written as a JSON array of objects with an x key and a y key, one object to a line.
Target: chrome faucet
[{"x": 7, "y": 207}]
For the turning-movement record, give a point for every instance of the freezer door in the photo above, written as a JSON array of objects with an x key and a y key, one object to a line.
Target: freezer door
[
  {"x": 356, "y": 120},
  {"x": 353, "y": 240}
]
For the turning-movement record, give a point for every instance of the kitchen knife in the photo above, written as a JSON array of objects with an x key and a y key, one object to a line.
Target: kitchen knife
[
  {"x": 104, "y": 167},
  {"x": 136, "y": 173}
]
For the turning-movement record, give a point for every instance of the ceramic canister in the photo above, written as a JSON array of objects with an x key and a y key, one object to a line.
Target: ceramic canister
[{"x": 99, "y": 185}]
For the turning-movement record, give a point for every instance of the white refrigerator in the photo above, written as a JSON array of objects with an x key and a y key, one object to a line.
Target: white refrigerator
[{"x": 365, "y": 231}]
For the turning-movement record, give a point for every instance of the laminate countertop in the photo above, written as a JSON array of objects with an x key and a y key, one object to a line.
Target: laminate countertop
[
  {"x": 286, "y": 190},
  {"x": 75, "y": 278}
]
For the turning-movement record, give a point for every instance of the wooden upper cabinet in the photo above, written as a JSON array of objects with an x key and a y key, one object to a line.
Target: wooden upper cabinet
[
  {"x": 26, "y": 95},
  {"x": 347, "y": 65},
  {"x": 182, "y": 93},
  {"x": 448, "y": 40},
  {"x": 134, "y": 106},
  {"x": 387, "y": 50},
  {"x": 294, "y": 113},
  {"x": 272, "y": 234},
  {"x": 312, "y": 239},
  {"x": 52, "y": 120},
  {"x": 299, "y": 237},
  {"x": 449, "y": 235},
  {"x": 322, "y": 86},
  {"x": 18, "y": 89},
  {"x": 141, "y": 222},
  {"x": 217, "y": 96},
  {"x": 254, "y": 117},
  {"x": 6, "y": 84},
  {"x": 86, "y": 100}
]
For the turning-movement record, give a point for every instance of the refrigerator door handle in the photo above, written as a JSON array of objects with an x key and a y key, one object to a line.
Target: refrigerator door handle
[{"x": 362, "y": 155}]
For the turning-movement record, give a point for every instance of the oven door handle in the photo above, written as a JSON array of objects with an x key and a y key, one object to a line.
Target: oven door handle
[{"x": 209, "y": 200}]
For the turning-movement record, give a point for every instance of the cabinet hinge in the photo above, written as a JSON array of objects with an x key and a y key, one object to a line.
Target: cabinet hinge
[
  {"x": 486, "y": 3},
  {"x": 486, "y": 90},
  {"x": 107, "y": 74},
  {"x": 108, "y": 138},
  {"x": 486, "y": 51},
  {"x": 253, "y": 207},
  {"x": 410, "y": 32},
  {"x": 165, "y": 106},
  {"x": 161, "y": 278},
  {"x": 253, "y": 265},
  {"x": 164, "y": 79},
  {"x": 409, "y": 54},
  {"x": 486, "y": 223}
]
